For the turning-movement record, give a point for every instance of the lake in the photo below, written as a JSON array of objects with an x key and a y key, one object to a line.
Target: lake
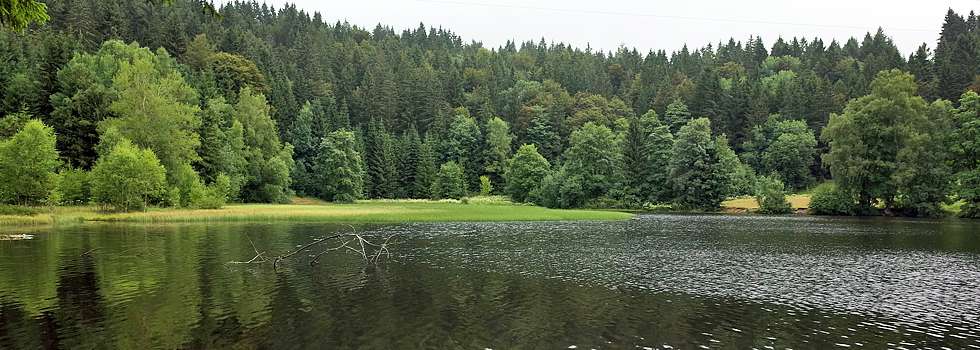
[{"x": 658, "y": 281}]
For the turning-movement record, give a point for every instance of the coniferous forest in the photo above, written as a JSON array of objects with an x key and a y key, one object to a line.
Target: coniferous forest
[{"x": 128, "y": 103}]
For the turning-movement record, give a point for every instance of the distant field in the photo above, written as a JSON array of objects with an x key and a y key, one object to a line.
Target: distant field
[
  {"x": 393, "y": 211},
  {"x": 797, "y": 201}
]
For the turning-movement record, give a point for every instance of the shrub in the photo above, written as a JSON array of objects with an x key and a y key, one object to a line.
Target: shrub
[
  {"x": 524, "y": 173},
  {"x": 560, "y": 190},
  {"x": 75, "y": 187},
  {"x": 772, "y": 199},
  {"x": 485, "y": 186},
  {"x": 828, "y": 199},
  {"x": 27, "y": 165},
  {"x": 127, "y": 178},
  {"x": 449, "y": 182},
  {"x": 215, "y": 195}
]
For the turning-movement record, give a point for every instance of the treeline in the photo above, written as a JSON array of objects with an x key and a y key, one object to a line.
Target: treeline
[{"x": 254, "y": 104}]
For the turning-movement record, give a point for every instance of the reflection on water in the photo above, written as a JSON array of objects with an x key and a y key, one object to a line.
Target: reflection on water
[{"x": 656, "y": 282}]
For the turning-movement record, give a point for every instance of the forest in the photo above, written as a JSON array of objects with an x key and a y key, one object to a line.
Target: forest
[{"x": 130, "y": 103}]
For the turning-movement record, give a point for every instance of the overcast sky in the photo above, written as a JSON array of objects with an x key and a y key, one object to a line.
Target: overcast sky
[{"x": 653, "y": 24}]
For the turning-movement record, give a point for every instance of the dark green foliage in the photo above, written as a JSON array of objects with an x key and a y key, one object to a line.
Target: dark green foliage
[
  {"x": 783, "y": 147},
  {"x": 382, "y": 170},
  {"x": 74, "y": 187},
  {"x": 677, "y": 116},
  {"x": 524, "y": 173},
  {"x": 449, "y": 182},
  {"x": 409, "y": 146},
  {"x": 966, "y": 153},
  {"x": 595, "y": 155},
  {"x": 957, "y": 59},
  {"x": 772, "y": 199},
  {"x": 268, "y": 161},
  {"x": 338, "y": 168},
  {"x": 697, "y": 176},
  {"x": 28, "y": 161},
  {"x": 646, "y": 158},
  {"x": 560, "y": 189},
  {"x": 889, "y": 146},
  {"x": 828, "y": 199},
  {"x": 425, "y": 171},
  {"x": 301, "y": 136},
  {"x": 463, "y": 144},
  {"x": 315, "y": 78},
  {"x": 222, "y": 149}
]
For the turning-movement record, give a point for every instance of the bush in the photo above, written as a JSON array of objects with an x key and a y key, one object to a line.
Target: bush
[
  {"x": 450, "y": 182},
  {"x": 560, "y": 190},
  {"x": 27, "y": 165},
  {"x": 75, "y": 187},
  {"x": 524, "y": 173},
  {"x": 128, "y": 177},
  {"x": 214, "y": 196},
  {"x": 485, "y": 186},
  {"x": 772, "y": 199},
  {"x": 828, "y": 199}
]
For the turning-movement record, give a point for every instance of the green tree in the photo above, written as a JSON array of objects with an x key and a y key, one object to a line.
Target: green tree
[
  {"x": 486, "y": 187},
  {"x": 449, "y": 182},
  {"x": 646, "y": 157},
  {"x": 233, "y": 72},
  {"x": 75, "y": 187},
  {"x": 269, "y": 162},
  {"x": 544, "y": 134},
  {"x": 498, "y": 147},
  {"x": 524, "y": 173},
  {"x": 594, "y": 154},
  {"x": 18, "y": 14},
  {"x": 966, "y": 153},
  {"x": 784, "y": 147},
  {"x": 87, "y": 90},
  {"x": 382, "y": 176},
  {"x": 305, "y": 144},
  {"x": 127, "y": 178},
  {"x": 28, "y": 161},
  {"x": 339, "y": 168},
  {"x": 425, "y": 173},
  {"x": 771, "y": 196},
  {"x": 697, "y": 176},
  {"x": 463, "y": 144},
  {"x": 887, "y": 146},
  {"x": 677, "y": 116},
  {"x": 157, "y": 110},
  {"x": 560, "y": 189},
  {"x": 408, "y": 164},
  {"x": 956, "y": 59},
  {"x": 222, "y": 150}
]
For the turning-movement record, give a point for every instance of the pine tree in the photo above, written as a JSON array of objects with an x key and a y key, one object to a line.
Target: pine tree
[
  {"x": 425, "y": 172},
  {"x": 381, "y": 163},
  {"x": 677, "y": 115}
]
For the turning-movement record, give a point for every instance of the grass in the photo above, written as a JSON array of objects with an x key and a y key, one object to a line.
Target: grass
[
  {"x": 748, "y": 204},
  {"x": 381, "y": 211}
]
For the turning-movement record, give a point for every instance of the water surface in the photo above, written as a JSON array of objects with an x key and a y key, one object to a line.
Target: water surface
[{"x": 652, "y": 282}]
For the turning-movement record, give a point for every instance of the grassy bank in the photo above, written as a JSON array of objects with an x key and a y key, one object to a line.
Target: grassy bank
[{"x": 313, "y": 211}]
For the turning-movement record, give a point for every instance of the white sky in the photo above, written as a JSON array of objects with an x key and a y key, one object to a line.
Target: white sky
[{"x": 653, "y": 24}]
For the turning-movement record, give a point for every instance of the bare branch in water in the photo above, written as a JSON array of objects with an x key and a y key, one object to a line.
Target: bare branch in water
[{"x": 371, "y": 252}]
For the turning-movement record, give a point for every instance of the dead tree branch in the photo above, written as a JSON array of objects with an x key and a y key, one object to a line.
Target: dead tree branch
[{"x": 359, "y": 244}]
